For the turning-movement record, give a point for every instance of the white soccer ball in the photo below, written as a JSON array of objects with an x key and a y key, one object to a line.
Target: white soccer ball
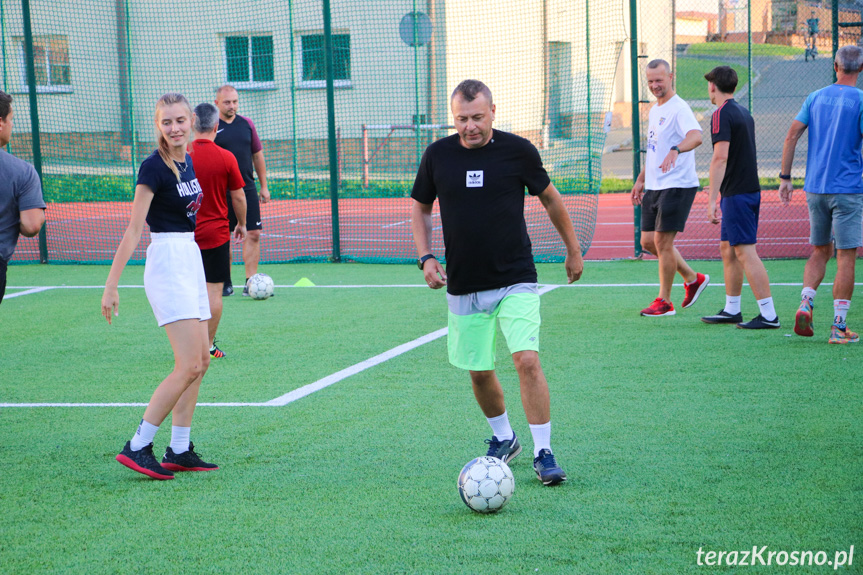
[
  {"x": 261, "y": 286},
  {"x": 485, "y": 484}
]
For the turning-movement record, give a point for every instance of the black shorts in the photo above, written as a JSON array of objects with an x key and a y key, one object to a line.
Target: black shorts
[
  {"x": 2, "y": 279},
  {"x": 217, "y": 263},
  {"x": 253, "y": 210},
  {"x": 666, "y": 210}
]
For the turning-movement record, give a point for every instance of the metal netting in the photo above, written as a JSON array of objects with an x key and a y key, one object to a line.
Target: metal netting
[
  {"x": 782, "y": 50},
  {"x": 100, "y": 65}
]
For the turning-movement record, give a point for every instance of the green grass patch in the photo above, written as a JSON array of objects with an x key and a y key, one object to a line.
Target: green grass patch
[
  {"x": 676, "y": 435},
  {"x": 738, "y": 49},
  {"x": 612, "y": 185},
  {"x": 689, "y": 76}
]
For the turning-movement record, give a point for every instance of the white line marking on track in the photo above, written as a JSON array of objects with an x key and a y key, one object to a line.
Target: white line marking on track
[
  {"x": 28, "y": 291},
  {"x": 297, "y": 393}
]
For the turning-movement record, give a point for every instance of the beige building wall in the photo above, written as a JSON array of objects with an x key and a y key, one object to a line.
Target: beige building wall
[
  {"x": 505, "y": 51},
  {"x": 92, "y": 41}
]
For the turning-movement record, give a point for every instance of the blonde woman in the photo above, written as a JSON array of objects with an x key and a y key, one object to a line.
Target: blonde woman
[{"x": 167, "y": 197}]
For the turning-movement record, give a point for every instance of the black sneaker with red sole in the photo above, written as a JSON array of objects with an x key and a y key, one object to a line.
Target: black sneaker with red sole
[
  {"x": 143, "y": 461},
  {"x": 186, "y": 461}
]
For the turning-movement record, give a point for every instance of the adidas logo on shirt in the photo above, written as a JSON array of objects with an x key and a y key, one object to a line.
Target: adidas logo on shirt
[{"x": 474, "y": 179}]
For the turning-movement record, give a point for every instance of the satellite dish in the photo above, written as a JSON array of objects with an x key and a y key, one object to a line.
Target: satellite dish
[{"x": 415, "y": 21}]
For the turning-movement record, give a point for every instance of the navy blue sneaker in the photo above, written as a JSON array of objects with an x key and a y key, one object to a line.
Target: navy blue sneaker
[
  {"x": 547, "y": 469},
  {"x": 503, "y": 449},
  {"x": 143, "y": 461},
  {"x": 227, "y": 290}
]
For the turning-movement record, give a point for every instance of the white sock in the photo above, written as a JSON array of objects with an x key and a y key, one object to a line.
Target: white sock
[
  {"x": 732, "y": 304},
  {"x": 541, "y": 437},
  {"x": 144, "y": 436},
  {"x": 180, "y": 439},
  {"x": 768, "y": 312},
  {"x": 840, "y": 311},
  {"x": 808, "y": 293},
  {"x": 500, "y": 427}
]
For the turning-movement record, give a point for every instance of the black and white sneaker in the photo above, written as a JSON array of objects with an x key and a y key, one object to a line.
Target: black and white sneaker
[
  {"x": 227, "y": 290},
  {"x": 547, "y": 469},
  {"x": 143, "y": 461},
  {"x": 503, "y": 449},
  {"x": 758, "y": 322},
  {"x": 723, "y": 317},
  {"x": 186, "y": 461}
]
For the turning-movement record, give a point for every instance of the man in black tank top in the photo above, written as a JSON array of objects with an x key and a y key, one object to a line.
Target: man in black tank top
[{"x": 238, "y": 135}]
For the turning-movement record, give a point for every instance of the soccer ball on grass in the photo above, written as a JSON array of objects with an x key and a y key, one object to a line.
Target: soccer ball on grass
[
  {"x": 485, "y": 484},
  {"x": 261, "y": 286}
]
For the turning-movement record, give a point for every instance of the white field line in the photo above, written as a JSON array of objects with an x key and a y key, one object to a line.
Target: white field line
[
  {"x": 297, "y": 393},
  {"x": 546, "y": 287}
]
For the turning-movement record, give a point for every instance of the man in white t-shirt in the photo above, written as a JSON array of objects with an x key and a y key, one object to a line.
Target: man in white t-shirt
[{"x": 666, "y": 187}]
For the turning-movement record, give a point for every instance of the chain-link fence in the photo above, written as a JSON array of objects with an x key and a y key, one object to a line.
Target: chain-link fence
[
  {"x": 782, "y": 50},
  {"x": 98, "y": 67}
]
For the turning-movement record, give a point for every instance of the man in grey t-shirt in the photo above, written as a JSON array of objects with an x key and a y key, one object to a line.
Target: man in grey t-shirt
[{"x": 22, "y": 209}]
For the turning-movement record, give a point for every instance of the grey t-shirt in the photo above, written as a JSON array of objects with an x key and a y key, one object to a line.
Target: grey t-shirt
[{"x": 20, "y": 190}]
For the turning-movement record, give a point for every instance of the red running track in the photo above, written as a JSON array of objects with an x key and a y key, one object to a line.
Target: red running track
[{"x": 378, "y": 229}]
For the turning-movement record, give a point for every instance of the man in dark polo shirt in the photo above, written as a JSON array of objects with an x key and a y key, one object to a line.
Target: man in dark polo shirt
[
  {"x": 238, "y": 135},
  {"x": 734, "y": 174},
  {"x": 479, "y": 176}
]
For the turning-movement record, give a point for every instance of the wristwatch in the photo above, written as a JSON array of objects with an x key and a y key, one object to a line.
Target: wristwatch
[
  {"x": 784, "y": 176},
  {"x": 421, "y": 262},
  {"x": 676, "y": 149}
]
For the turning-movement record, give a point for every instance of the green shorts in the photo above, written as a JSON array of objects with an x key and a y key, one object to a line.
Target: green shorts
[{"x": 473, "y": 337}]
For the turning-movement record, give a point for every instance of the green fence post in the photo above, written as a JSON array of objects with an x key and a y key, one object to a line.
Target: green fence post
[
  {"x": 34, "y": 117},
  {"x": 331, "y": 129},
  {"x": 293, "y": 101},
  {"x": 835, "y": 31},
  {"x": 636, "y": 121}
]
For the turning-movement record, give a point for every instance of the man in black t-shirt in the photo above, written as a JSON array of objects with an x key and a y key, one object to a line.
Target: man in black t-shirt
[
  {"x": 479, "y": 177},
  {"x": 238, "y": 135},
  {"x": 734, "y": 174}
]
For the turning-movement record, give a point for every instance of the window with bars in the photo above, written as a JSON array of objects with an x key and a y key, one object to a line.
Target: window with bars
[
  {"x": 249, "y": 62},
  {"x": 51, "y": 63},
  {"x": 314, "y": 70}
]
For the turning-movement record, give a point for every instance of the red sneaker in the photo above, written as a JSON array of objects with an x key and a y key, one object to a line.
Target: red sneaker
[
  {"x": 658, "y": 308},
  {"x": 694, "y": 289}
]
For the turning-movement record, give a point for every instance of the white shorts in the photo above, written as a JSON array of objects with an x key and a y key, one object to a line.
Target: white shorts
[{"x": 174, "y": 278}]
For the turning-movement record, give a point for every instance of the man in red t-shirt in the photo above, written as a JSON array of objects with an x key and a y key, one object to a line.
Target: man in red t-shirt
[{"x": 217, "y": 172}]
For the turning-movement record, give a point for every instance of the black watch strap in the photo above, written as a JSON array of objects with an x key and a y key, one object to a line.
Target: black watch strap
[
  {"x": 676, "y": 149},
  {"x": 784, "y": 176},
  {"x": 421, "y": 262}
]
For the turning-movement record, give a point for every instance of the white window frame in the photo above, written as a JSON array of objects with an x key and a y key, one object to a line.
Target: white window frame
[
  {"x": 251, "y": 84},
  {"x": 22, "y": 68},
  {"x": 318, "y": 84}
]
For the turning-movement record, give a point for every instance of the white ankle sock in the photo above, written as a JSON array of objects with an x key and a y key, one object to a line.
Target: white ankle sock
[
  {"x": 840, "y": 311},
  {"x": 500, "y": 426},
  {"x": 732, "y": 304},
  {"x": 541, "y": 437},
  {"x": 143, "y": 436},
  {"x": 180, "y": 439},
  {"x": 808, "y": 293},
  {"x": 765, "y": 306}
]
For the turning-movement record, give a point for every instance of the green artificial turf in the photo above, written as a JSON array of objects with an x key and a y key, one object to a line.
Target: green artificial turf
[{"x": 676, "y": 435}]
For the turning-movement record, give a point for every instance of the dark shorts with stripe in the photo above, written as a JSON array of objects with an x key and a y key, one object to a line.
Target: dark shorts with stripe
[
  {"x": 253, "y": 209},
  {"x": 2, "y": 279},
  {"x": 740, "y": 218},
  {"x": 217, "y": 263},
  {"x": 666, "y": 210}
]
